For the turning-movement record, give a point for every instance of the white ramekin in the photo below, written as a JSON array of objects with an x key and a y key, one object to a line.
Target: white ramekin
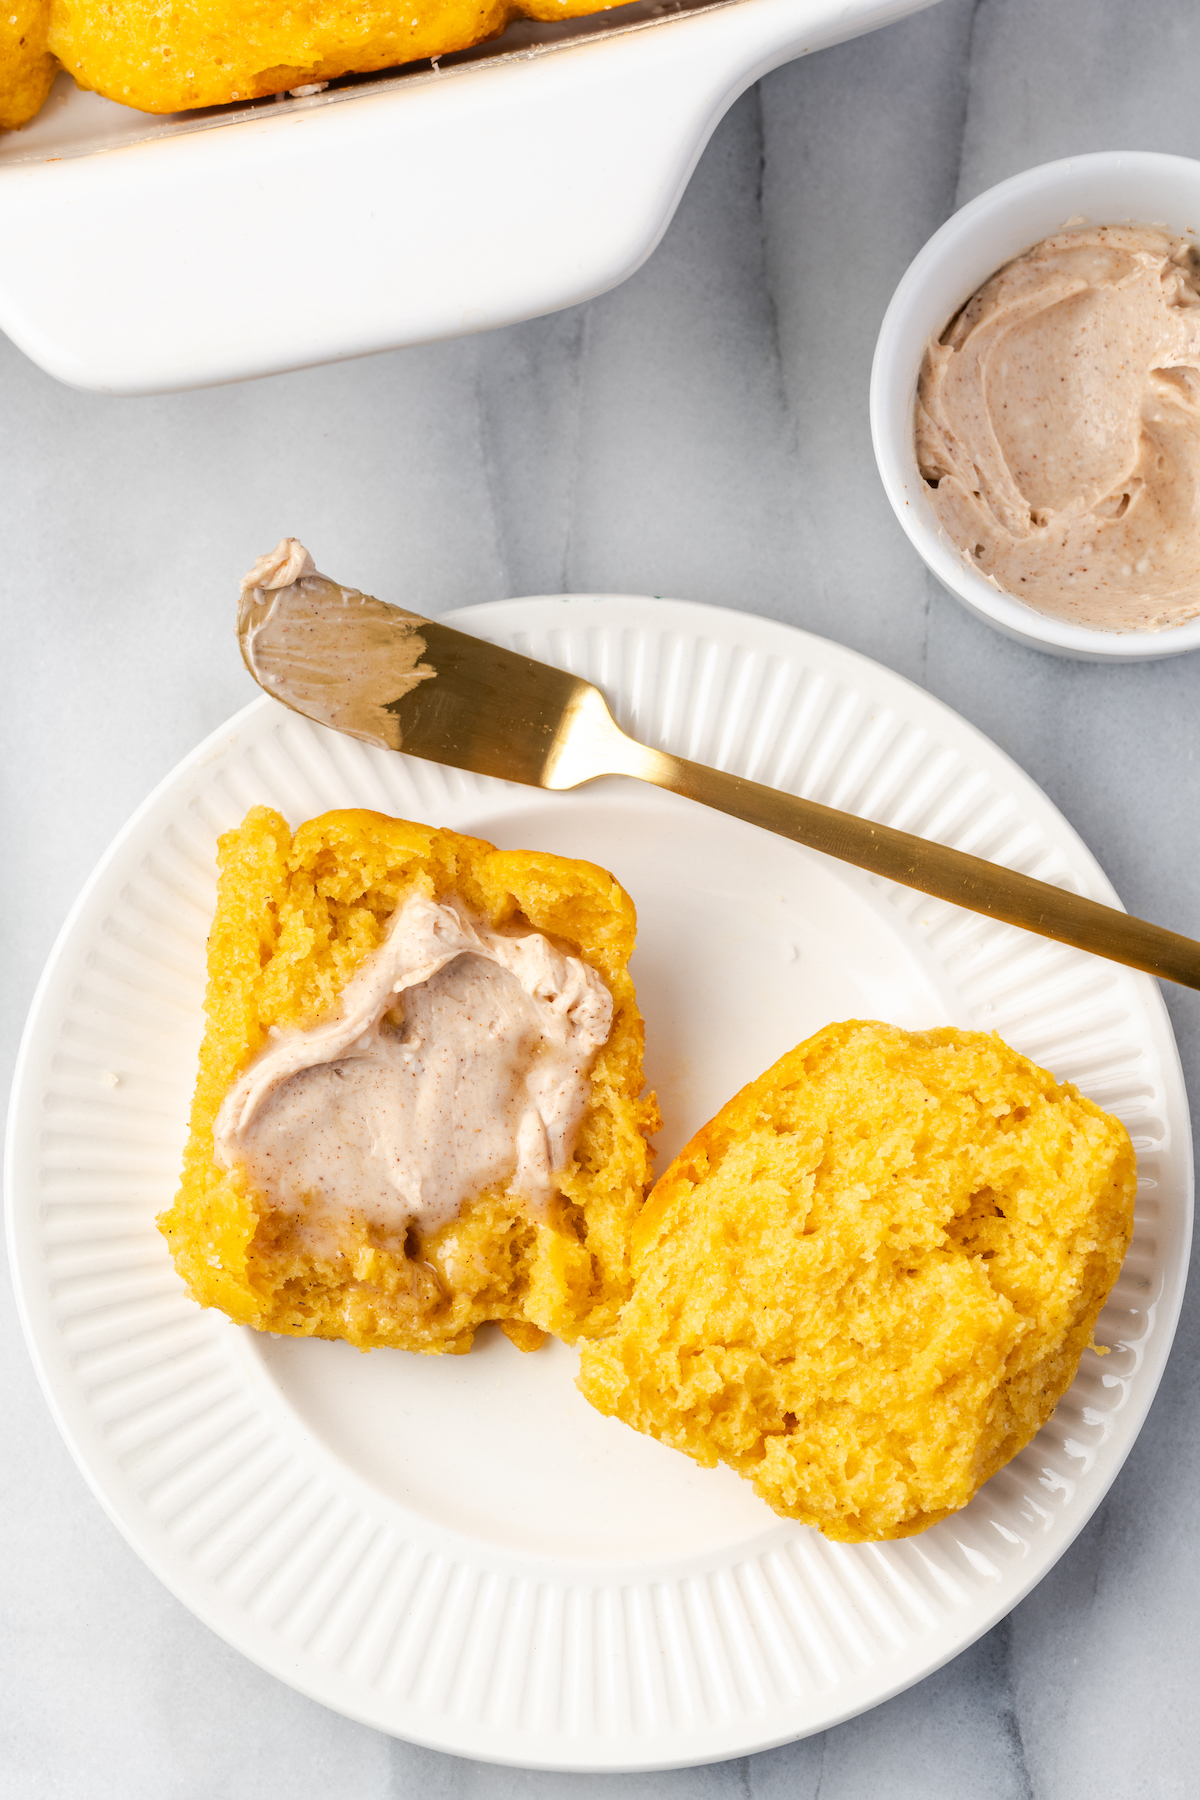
[{"x": 1110, "y": 187}]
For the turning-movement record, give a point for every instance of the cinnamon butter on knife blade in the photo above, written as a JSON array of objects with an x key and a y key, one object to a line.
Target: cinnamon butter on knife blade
[{"x": 394, "y": 679}]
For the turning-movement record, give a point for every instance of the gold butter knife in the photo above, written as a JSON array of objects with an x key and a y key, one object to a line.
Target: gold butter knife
[{"x": 397, "y": 680}]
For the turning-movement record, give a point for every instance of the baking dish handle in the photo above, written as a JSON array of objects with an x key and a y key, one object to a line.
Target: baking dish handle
[{"x": 423, "y": 209}]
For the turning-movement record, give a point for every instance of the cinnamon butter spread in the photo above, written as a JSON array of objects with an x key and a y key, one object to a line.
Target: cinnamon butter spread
[
  {"x": 458, "y": 1060},
  {"x": 1058, "y": 428},
  {"x": 337, "y": 655}
]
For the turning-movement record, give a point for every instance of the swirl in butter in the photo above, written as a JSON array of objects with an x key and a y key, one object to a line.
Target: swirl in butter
[
  {"x": 1058, "y": 428},
  {"x": 458, "y": 1061}
]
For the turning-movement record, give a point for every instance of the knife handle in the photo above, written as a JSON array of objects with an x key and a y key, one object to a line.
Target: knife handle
[{"x": 915, "y": 862}]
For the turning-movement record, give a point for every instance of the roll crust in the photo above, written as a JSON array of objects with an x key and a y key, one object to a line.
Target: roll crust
[
  {"x": 27, "y": 68},
  {"x": 866, "y": 1283},
  {"x": 208, "y": 52}
]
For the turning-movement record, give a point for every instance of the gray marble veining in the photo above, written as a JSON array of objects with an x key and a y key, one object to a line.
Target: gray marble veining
[{"x": 702, "y": 432}]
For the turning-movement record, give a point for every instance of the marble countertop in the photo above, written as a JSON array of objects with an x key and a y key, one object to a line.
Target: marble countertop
[{"x": 700, "y": 432}]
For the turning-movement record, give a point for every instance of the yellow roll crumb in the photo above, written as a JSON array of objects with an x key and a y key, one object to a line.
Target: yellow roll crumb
[
  {"x": 295, "y": 917},
  {"x": 866, "y": 1283}
]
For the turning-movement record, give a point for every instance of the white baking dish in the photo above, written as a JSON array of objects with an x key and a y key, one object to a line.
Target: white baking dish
[{"x": 143, "y": 255}]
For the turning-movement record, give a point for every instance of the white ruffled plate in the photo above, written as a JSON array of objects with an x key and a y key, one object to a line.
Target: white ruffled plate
[{"x": 457, "y": 1549}]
